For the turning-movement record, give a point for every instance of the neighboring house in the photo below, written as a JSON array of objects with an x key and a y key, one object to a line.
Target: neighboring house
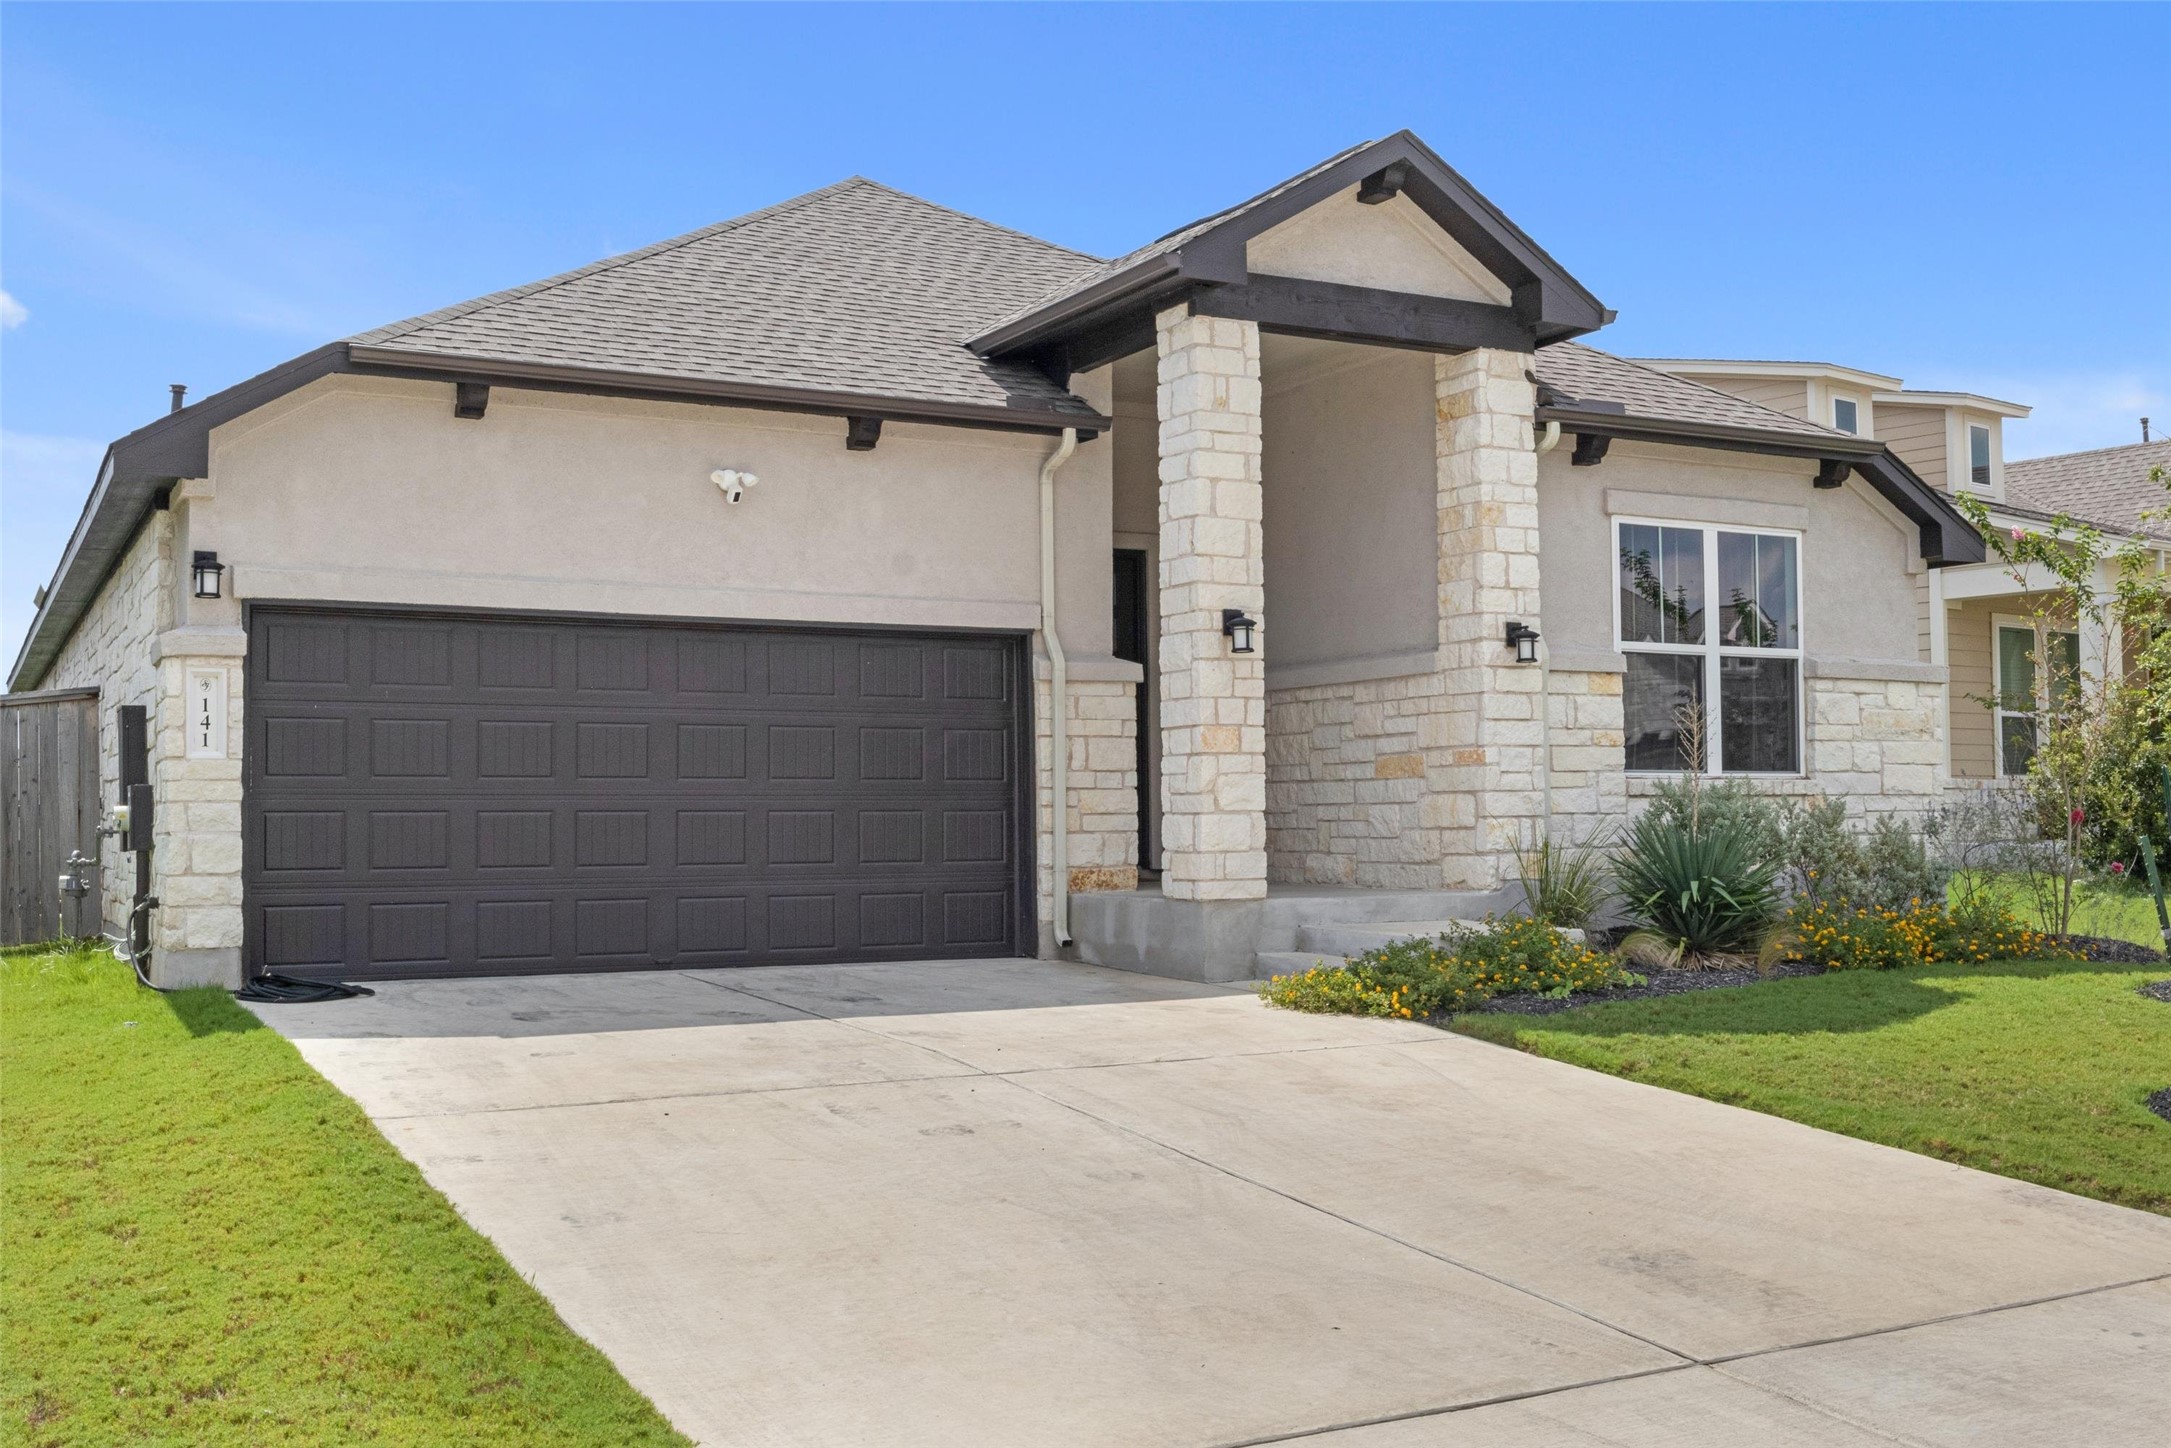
[
  {"x": 694, "y": 607},
  {"x": 1989, "y": 629}
]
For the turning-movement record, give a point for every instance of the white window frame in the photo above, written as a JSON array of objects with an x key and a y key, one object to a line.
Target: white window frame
[
  {"x": 1968, "y": 429},
  {"x": 1713, "y": 650},
  {"x": 2040, "y": 634},
  {"x": 1853, "y": 402}
]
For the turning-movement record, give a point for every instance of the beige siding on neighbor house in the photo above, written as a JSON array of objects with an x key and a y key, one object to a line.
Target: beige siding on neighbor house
[
  {"x": 1970, "y": 647},
  {"x": 1917, "y": 434},
  {"x": 1789, "y": 395},
  {"x": 1974, "y": 728}
]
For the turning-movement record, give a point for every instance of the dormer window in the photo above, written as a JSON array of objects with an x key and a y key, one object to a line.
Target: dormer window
[
  {"x": 1978, "y": 454},
  {"x": 1845, "y": 415}
]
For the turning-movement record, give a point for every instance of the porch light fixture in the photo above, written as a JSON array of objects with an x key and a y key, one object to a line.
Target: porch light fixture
[
  {"x": 207, "y": 570},
  {"x": 1241, "y": 629},
  {"x": 1524, "y": 640}
]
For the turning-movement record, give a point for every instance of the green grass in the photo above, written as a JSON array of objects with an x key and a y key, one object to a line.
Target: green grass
[
  {"x": 208, "y": 1244},
  {"x": 2034, "y": 1070},
  {"x": 2126, "y": 913}
]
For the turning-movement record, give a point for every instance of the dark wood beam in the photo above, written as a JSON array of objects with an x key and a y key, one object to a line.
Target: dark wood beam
[
  {"x": 470, "y": 399},
  {"x": 862, "y": 433},
  {"x": 1590, "y": 449},
  {"x": 1831, "y": 472},
  {"x": 1384, "y": 184},
  {"x": 1303, "y": 308}
]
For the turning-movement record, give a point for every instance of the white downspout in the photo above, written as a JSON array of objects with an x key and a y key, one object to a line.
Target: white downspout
[{"x": 1058, "y": 693}]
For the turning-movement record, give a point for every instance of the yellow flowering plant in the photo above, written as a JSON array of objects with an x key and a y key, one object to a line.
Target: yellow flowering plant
[
  {"x": 1841, "y": 936},
  {"x": 1459, "y": 971}
]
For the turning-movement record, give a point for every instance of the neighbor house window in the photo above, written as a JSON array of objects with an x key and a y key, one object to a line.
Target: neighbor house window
[
  {"x": 2023, "y": 690},
  {"x": 1708, "y": 614},
  {"x": 1845, "y": 416},
  {"x": 1978, "y": 454}
]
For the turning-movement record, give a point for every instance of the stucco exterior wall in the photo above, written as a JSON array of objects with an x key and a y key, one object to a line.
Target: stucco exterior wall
[
  {"x": 1857, "y": 560},
  {"x": 114, "y": 650},
  {"x": 1393, "y": 246},
  {"x": 1351, "y": 557},
  {"x": 370, "y": 490}
]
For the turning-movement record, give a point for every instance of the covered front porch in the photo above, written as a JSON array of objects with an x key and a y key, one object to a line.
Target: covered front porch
[{"x": 1323, "y": 508}]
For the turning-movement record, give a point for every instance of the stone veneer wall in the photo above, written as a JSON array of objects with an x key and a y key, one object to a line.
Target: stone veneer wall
[
  {"x": 1346, "y": 767},
  {"x": 114, "y": 650},
  {"x": 1102, "y": 804},
  {"x": 1873, "y": 742},
  {"x": 127, "y": 645},
  {"x": 1345, "y": 784}
]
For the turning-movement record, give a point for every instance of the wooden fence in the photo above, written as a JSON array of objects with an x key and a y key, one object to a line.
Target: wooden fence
[{"x": 49, "y": 809}]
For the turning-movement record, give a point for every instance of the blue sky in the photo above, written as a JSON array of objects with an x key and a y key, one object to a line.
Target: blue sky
[{"x": 1972, "y": 197}]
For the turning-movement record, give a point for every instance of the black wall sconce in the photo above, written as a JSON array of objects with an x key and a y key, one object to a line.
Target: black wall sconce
[
  {"x": 207, "y": 570},
  {"x": 1524, "y": 640},
  {"x": 1242, "y": 630}
]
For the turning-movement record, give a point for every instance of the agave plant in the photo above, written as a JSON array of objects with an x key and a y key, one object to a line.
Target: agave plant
[{"x": 1699, "y": 891}]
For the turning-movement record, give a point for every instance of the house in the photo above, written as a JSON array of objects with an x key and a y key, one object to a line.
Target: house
[
  {"x": 821, "y": 585},
  {"x": 1988, "y": 628}
]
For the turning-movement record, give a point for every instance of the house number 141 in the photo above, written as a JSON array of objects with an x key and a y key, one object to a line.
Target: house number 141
[{"x": 207, "y": 713}]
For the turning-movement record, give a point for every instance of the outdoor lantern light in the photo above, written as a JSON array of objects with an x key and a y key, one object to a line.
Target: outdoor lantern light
[
  {"x": 1240, "y": 627},
  {"x": 1524, "y": 640},
  {"x": 208, "y": 569}
]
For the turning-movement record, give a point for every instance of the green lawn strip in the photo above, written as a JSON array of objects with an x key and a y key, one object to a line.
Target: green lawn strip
[
  {"x": 208, "y": 1244},
  {"x": 2115, "y": 913},
  {"x": 2033, "y": 1070}
]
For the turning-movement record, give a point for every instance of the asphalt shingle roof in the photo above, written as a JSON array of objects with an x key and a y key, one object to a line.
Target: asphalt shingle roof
[
  {"x": 1073, "y": 286},
  {"x": 2108, "y": 486},
  {"x": 1578, "y": 373},
  {"x": 854, "y": 289}
]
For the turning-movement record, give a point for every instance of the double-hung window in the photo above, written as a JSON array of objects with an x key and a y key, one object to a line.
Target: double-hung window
[
  {"x": 1707, "y": 614},
  {"x": 2023, "y": 689}
]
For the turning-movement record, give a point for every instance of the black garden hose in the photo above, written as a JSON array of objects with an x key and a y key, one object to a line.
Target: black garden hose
[{"x": 287, "y": 990}]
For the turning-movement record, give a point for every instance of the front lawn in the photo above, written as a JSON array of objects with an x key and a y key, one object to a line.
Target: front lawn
[
  {"x": 2035, "y": 1070},
  {"x": 208, "y": 1244}
]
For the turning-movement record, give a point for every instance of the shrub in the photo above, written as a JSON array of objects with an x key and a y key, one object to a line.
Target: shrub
[
  {"x": 1822, "y": 859},
  {"x": 1898, "y": 866},
  {"x": 1564, "y": 884},
  {"x": 1848, "y": 937},
  {"x": 1701, "y": 885},
  {"x": 1458, "y": 971}
]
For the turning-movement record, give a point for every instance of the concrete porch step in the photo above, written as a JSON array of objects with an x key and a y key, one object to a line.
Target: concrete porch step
[
  {"x": 1355, "y": 937},
  {"x": 1296, "y": 962},
  {"x": 1348, "y": 938}
]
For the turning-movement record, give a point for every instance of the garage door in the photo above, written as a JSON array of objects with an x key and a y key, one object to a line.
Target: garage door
[{"x": 438, "y": 795}]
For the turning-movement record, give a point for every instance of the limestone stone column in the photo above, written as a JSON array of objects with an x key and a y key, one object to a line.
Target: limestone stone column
[
  {"x": 1213, "y": 702},
  {"x": 1483, "y": 788},
  {"x": 196, "y": 784}
]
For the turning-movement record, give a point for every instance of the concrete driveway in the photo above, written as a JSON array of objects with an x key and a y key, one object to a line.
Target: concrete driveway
[{"x": 1016, "y": 1203}]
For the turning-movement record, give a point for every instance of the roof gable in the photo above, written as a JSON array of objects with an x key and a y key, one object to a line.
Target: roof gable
[
  {"x": 1212, "y": 251},
  {"x": 1391, "y": 245}
]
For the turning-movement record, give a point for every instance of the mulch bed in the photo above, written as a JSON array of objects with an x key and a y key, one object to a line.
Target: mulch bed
[
  {"x": 2112, "y": 952},
  {"x": 1659, "y": 983},
  {"x": 2160, "y": 1103},
  {"x": 2157, "y": 990}
]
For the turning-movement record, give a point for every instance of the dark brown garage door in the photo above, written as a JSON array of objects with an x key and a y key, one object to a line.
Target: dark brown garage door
[{"x": 440, "y": 795}]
